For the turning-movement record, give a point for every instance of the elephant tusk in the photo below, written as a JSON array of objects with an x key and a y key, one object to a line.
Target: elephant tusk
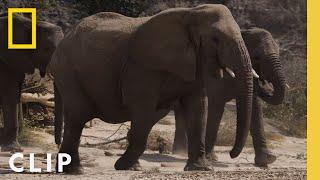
[
  {"x": 287, "y": 85},
  {"x": 254, "y": 73},
  {"x": 220, "y": 73},
  {"x": 230, "y": 72}
]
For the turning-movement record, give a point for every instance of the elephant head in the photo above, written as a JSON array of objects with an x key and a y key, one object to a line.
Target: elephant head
[
  {"x": 187, "y": 42},
  {"x": 264, "y": 53},
  {"x": 49, "y": 36},
  {"x": 26, "y": 60}
]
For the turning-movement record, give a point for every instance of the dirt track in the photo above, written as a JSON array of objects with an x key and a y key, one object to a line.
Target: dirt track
[{"x": 291, "y": 162}]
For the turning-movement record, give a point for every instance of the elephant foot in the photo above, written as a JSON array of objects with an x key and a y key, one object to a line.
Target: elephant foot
[
  {"x": 263, "y": 159},
  {"x": 124, "y": 164},
  {"x": 12, "y": 147},
  {"x": 197, "y": 166},
  {"x": 135, "y": 167},
  {"x": 212, "y": 157},
  {"x": 72, "y": 169}
]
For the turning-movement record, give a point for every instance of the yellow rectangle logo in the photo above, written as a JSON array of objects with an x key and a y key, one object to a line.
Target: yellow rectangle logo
[{"x": 33, "y": 12}]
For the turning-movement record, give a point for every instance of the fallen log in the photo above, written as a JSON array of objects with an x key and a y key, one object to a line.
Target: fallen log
[{"x": 38, "y": 98}]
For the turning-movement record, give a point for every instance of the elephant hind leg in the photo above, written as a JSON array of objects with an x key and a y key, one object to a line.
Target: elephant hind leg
[
  {"x": 180, "y": 136},
  {"x": 9, "y": 135},
  {"x": 70, "y": 145},
  {"x": 77, "y": 111},
  {"x": 143, "y": 119},
  {"x": 75, "y": 120},
  {"x": 10, "y": 100}
]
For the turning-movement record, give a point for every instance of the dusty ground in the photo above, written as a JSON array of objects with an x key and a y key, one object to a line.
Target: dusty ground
[{"x": 98, "y": 161}]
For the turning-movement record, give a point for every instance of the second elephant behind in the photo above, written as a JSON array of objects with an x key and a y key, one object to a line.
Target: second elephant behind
[{"x": 264, "y": 53}]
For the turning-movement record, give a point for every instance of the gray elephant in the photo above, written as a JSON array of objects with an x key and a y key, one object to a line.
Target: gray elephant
[
  {"x": 15, "y": 63},
  {"x": 118, "y": 69},
  {"x": 264, "y": 53}
]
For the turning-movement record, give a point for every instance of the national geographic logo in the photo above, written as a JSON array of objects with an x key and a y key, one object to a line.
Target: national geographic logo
[{"x": 11, "y": 12}]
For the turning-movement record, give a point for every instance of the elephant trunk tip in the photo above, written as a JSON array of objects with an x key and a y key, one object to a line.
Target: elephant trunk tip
[{"x": 234, "y": 153}]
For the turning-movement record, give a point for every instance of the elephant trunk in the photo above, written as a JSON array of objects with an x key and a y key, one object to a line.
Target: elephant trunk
[
  {"x": 278, "y": 81},
  {"x": 243, "y": 72}
]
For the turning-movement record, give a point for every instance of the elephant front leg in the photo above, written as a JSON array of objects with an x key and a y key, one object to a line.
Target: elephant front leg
[
  {"x": 9, "y": 141},
  {"x": 195, "y": 109},
  {"x": 263, "y": 155}
]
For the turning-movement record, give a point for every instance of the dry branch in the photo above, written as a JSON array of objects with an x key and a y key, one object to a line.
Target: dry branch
[{"x": 105, "y": 143}]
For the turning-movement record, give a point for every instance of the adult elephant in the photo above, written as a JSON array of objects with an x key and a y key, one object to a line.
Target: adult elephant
[
  {"x": 264, "y": 53},
  {"x": 118, "y": 69},
  {"x": 15, "y": 63}
]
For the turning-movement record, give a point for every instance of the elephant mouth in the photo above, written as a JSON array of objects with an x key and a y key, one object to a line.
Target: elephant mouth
[
  {"x": 265, "y": 88},
  {"x": 272, "y": 92}
]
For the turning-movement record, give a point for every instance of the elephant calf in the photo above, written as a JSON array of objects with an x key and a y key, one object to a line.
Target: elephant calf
[
  {"x": 15, "y": 63},
  {"x": 264, "y": 53}
]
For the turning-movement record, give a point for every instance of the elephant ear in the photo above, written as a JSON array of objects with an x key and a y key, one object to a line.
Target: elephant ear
[
  {"x": 19, "y": 60},
  {"x": 163, "y": 43}
]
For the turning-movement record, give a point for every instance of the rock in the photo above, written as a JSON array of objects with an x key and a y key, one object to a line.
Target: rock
[{"x": 107, "y": 153}]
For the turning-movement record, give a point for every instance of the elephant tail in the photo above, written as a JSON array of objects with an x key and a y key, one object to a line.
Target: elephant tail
[{"x": 58, "y": 116}]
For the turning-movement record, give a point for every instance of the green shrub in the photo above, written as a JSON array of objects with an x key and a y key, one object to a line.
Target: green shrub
[{"x": 290, "y": 117}]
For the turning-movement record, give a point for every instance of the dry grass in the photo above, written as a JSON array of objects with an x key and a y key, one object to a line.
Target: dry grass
[{"x": 27, "y": 137}]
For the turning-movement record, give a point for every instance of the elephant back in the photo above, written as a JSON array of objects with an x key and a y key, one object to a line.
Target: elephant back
[{"x": 163, "y": 43}]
